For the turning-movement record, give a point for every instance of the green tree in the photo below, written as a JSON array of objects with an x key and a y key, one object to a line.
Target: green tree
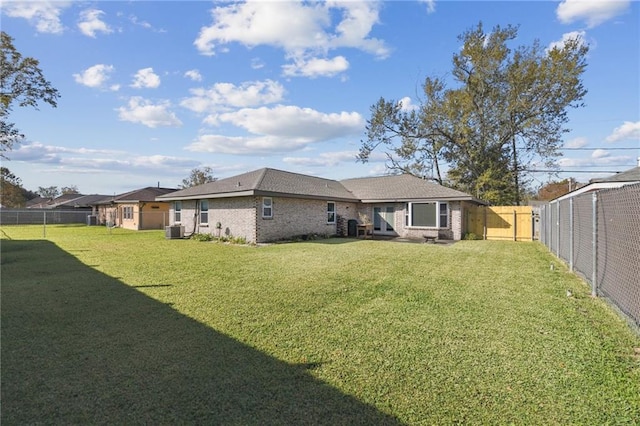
[
  {"x": 21, "y": 82},
  {"x": 198, "y": 176},
  {"x": 12, "y": 194},
  {"x": 69, "y": 190},
  {"x": 508, "y": 108},
  {"x": 50, "y": 192}
]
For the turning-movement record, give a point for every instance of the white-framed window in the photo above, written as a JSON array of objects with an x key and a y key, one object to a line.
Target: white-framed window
[
  {"x": 267, "y": 208},
  {"x": 177, "y": 211},
  {"x": 427, "y": 215},
  {"x": 331, "y": 212},
  {"x": 127, "y": 212},
  {"x": 204, "y": 212}
]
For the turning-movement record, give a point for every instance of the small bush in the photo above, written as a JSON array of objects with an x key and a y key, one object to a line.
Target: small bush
[
  {"x": 202, "y": 237},
  {"x": 471, "y": 236}
]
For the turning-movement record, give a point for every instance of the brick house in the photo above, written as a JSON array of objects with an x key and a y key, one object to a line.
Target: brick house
[{"x": 268, "y": 205}]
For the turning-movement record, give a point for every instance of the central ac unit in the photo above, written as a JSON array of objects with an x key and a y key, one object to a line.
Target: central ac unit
[{"x": 173, "y": 232}]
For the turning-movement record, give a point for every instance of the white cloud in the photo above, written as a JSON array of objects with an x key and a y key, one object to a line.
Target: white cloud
[
  {"x": 44, "y": 15},
  {"x": 628, "y": 131},
  {"x": 145, "y": 112},
  {"x": 224, "y": 95},
  {"x": 593, "y": 12},
  {"x": 600, "y": 153},
  {"x": 316, "y": 67},
  {"x": 278, "y": 130},
  {"x": 573, "y": 35},
  {"x": 194, "y": 75},
  {"x": 90, "y": 23},
  {"x": 324, "y": 159},
  {"x": 598, "y": 158},
  {"x": 95, "y": 76},
  {"x": 406, "y": 104},
  {"x": 293, "y": 122},
  {"x": 146, "y": 78},
  {"x": 579, "y": 142},
  {"x": 302, "y": 30},
  {"x": 82, "y": 160},
  {"x": 431, "y": 5}
]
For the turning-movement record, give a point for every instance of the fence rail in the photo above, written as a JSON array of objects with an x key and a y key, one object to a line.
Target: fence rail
[{"x": 598, "y": 235}]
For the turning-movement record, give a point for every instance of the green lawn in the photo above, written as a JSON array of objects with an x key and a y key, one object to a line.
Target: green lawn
[{"x": 125, "y": 327}]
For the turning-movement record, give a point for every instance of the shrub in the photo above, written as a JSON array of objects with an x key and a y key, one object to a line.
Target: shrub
[{"x": 202, "y": 237}]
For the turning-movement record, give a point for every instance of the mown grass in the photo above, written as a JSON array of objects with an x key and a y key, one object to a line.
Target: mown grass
[{"x": 123, "y": 326}]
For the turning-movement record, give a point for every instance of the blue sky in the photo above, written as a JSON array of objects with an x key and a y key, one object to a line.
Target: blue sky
[{"x": 153, "y": 89}]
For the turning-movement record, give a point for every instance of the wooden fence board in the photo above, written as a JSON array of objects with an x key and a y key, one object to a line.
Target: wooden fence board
[{"x": 501, "y": 222}]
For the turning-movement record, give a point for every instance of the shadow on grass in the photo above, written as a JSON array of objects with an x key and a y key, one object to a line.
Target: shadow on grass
[{"x": 80, "y": 347}]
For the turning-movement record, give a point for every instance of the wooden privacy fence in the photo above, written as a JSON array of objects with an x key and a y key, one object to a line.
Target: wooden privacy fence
[{"x": 501, "y": 222}]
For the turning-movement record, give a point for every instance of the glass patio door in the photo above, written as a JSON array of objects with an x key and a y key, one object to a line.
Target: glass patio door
[{"x": 383, "y": 218}]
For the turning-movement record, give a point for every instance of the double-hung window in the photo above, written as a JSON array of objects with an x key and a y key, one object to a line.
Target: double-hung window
[
  {"x": 127, "y": 212},
  {"x": 177, "y": 211},
  {"x": 204, "y": 212},
  {"x": 428, "y": 214},
  {"x": 331, "y": 212},
  {"x": 267, "y": 208}
]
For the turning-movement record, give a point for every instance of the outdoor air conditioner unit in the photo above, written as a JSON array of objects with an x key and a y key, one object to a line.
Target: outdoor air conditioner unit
[{"x": 175, "y": 231}]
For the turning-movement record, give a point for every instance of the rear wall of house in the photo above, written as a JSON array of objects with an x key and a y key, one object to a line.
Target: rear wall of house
[
  {"x": 237, "y": 217},
  {"x": 296, "y": 217}
]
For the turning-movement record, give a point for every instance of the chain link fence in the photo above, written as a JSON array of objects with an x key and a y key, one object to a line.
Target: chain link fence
[
  {"x": 42, "y": 216},
  {"x": 598, "y": 235}
]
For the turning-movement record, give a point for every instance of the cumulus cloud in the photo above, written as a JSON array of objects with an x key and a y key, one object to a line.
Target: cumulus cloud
[
  {"x": 293, "y": 122},
  {"x": 222, "y": 96},
  {"x": 143, "y": 111},
  {"x": 44, "y": 15},
  {"x": 628, "y": 131},
  {"x": 599, "y": 157},
  {"x": 407, "y": 105},
  {"x": 82, "y": 160},
  {"x": 146, "y": 78},
  {"x": 316, "y": 67},
  {"x": 303, "y": 30},
  {"x": 193, "y": 75},
  {"x": 90, "y": 23},
  {"x": 579, "y": 142},
  {"x": 431, "y": 5},
  {"x": 324, "y": 159},
  {"x": 279, "y": 129},
  {"x": 580, "y": 36},
  {"x": 593, "y": 12},
  {"x": 95, "y": 76}
]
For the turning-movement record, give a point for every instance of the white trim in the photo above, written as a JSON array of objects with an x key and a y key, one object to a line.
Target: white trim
[{"x": 270, "y": 207}]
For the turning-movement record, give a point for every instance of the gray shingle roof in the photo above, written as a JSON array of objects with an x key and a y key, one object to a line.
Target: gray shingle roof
[
  {"x": 272, "y": 182},
  {"x": 631, "y": 175},
  {"x": 147, "y": 194},
  {"x": 400, "y": 188},
  {"x": 267, "y": 181}
]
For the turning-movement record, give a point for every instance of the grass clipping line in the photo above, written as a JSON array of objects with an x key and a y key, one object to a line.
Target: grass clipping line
[{"x": 129, "y": 327}]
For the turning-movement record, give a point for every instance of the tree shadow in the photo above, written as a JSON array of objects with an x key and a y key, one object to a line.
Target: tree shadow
[{"x": 80, "y": 347}]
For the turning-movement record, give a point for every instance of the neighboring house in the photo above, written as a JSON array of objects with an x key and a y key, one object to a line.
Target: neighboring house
[
  {"x": 618, "y": 180},
  {"x": 267, "y": 205},
  {"x": 136, "y": 209},
  {"x": 74, "y": 202}
]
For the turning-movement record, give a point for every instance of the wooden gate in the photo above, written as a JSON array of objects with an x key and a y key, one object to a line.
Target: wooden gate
[{"x": 500, "y": 222}]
